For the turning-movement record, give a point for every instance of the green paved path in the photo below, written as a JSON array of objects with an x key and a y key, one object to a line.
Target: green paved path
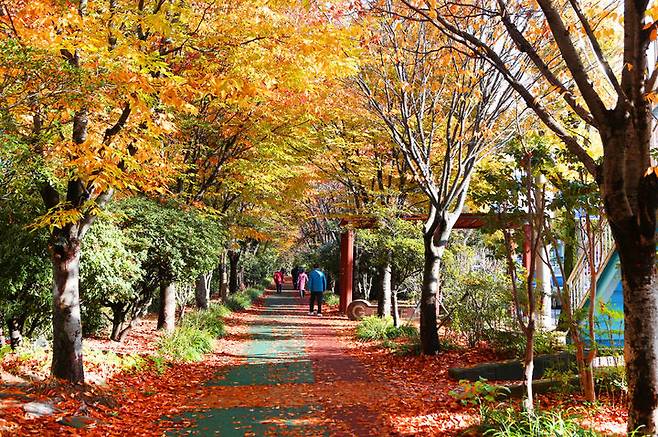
[{"x": 296, "y": 380}]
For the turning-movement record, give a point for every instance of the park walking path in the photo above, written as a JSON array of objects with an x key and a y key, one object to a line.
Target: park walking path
[{"x": 293, "y": 378}]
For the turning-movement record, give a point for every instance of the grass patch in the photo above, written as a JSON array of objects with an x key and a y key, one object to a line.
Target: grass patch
[
  {"x": 512, "y": 423},
  {"x": 186, "y": 343},
  {"x": 209, "y": 320},
  {"x": 376, "y": 328}
]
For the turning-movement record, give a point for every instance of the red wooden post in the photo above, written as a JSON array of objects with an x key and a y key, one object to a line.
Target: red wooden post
[
  {"x": 527, "y": 246},
  {"x": 346, "y": 269}
]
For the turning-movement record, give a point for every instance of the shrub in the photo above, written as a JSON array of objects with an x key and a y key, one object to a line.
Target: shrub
[
  {"x": 134, "y": 363},
  {"x": 512, "y": 423},
  {"x": 478, "y": 392},
  {"x": 186, "y": 343},
  {"x": 209, "y": 320},
  {"x": 254, "y": 293},
  {"x": 512, "y": 343},
  {"x": 377, "y": 328},
  {"x": 331, "y": 299},
  {"x": 238, "y": 301},
  {"x": 611, "y": 381}
]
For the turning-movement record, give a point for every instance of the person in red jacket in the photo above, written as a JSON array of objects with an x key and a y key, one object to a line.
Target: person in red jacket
[{"x": 278, "y": 280}]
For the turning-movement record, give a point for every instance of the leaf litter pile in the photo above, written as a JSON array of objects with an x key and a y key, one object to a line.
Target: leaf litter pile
[{"x": 359, "y": 389}]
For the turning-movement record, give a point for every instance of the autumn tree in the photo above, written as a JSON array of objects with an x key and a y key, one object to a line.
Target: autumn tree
[
  {"x": 605, "y": 79},
  {"x": 443, "y": 110},
  {"x": 352, "y": 148}
]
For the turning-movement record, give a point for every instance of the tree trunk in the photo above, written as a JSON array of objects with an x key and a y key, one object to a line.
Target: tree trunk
[
  {"x": 67, "y": 327},
  {"x": 223, "y": 286},
  {"x": 15, "y": 336},
  {"x": 544, "y": 288},
  {"x": 429, "y": 337},
  {"x": 167, "y": 315},
  {"x": 528, "y": 363},
  {"x": 202, "y": 292},
  {"x": 589, "y": 389},
  {"x": 118, "y": 317},
  {"x": 395, "y": 310},
  {"x": 233, "y": 283},
  {"x": 124, "y": 332},
  {"x": 640, "y": 287},
  {"x": 386, "y": 285}
]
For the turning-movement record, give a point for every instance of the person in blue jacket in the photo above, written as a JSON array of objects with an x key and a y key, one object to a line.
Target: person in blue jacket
[{"x": 317, "y": 284}]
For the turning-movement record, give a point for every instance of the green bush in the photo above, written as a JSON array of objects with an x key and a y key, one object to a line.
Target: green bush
[
  {"x": 611, "y": 380},
  {"x": 512, "y": 423},
  {"x": 331, "y": 299},
  {"x": 376, "y": 328},
  {"x": 186, "y": 343},
  {"x": 134, "y": 363},
  {"x": 478, "y": 392},
  {"x": 209, "y": 320},
  {"x": 513, "y": 343},
  {"x": 254, "y": 293},
  {"x": 238, "y": 301}
]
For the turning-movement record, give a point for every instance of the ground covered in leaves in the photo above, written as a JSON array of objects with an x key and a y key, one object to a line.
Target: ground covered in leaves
[{"x": 278, "y": 371}]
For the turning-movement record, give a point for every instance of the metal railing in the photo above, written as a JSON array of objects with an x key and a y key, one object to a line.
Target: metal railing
[{"x": 580, "y": 278}]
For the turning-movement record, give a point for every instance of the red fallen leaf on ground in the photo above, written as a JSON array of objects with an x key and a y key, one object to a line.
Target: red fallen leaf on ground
[{"x": 412, "y": 392}]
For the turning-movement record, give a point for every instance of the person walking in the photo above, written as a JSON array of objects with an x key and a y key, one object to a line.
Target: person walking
[
  {"x": 295, "y": 276},
  {"x": 278, "y": 280},
  {"x": 302, "y": 279},
  {"x": 317, "y": 284}
]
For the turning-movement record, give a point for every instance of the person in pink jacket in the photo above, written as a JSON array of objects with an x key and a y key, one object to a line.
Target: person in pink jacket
[{"x": 301, "y": 282}]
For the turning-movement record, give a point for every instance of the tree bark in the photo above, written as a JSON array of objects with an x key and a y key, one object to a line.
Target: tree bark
[
  {"x": 429, "y": 337},
  {"x": 386, "y": 285},
  {"x": 233, "y": 282},
  {"x": 528, "y": 363},
  {"x": 395, "y": 310},
  {"x": 223, "y": 286},
  {"x": 118, "y": 317},
  {"x": 202, "y": 291},
  {"x": 640, "y": 288},
  {"x": 15, "y": 335},
  {"x": 2, "y": 332},
  {"x": 67, "y": 327},
  {"x": 167, "y": 315}
]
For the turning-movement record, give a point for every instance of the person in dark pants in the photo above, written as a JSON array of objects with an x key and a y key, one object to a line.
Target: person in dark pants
[
  {"x": 295, "y": 275},
  {"x": 317, "y": 284},
  {"x": 278, "y": 280}
]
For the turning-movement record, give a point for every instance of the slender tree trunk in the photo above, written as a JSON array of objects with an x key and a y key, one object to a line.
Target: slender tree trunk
[
  {"x": 528, "y": 363},
  {"x": 429, "y": 337},
  {"x": 233, "y": 283},
  {"x": 588, "y": 370},
  {"x": 124, "y": 332},
  {"x": 223, "y": 286},
  {"x": 241, "y": 284},
  {"x": 395, "y": 309},
  {"x": 67, "y": 327},
  {"x": 15, "y": 336},
  {"x": 167, "y": 315},
  {"x": 379, "y": 289},
  {"x": 386, "y": 285},
  {"x": 202, "y": 291}
]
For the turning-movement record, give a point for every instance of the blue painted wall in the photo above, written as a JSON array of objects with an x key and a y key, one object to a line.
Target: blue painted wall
[{"x": 609, "y": 321}]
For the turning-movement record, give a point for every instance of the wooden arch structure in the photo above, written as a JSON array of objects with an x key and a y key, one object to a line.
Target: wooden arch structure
[{"x": 346, "y": 270}]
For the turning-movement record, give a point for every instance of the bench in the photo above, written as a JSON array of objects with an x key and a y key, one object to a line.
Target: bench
[{"x": 360, "y": 308}]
